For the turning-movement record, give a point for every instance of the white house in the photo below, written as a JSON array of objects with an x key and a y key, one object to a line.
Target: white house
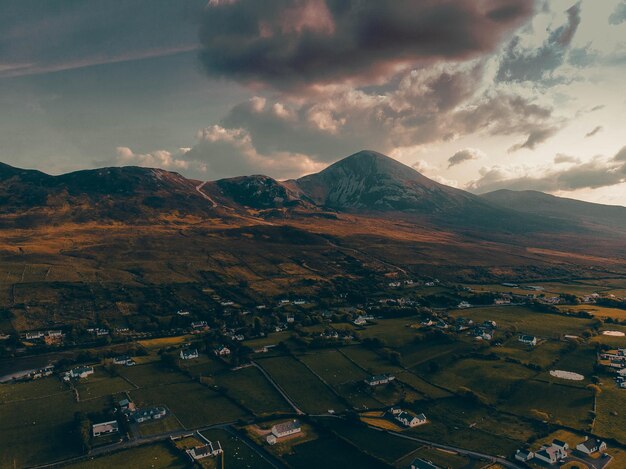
[
  {"x": 528, "y": 339},
  {"x": 79, "y": 372},
  {"x": 591, "y": 445},
  {"x": 144, "y": 415},
  {"x": 105, "y": 428},
  {"x": 407, "y": 419},
  {"x": 360, "y": 321},
  {"x": 281, "y": 430},
  {"x": 201, "y": 452},
  {"x": 189, "y": 354},
  {"x": 553, "y": 453},
  {"x": 221, "y": 351},
  {"x": 377, "y": 380}
]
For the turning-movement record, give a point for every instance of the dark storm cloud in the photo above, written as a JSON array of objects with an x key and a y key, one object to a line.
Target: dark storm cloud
[
  {"x": 290, "y": 43},
  {"x": 37, "y": 37},
  {"x": 519, "y": 64},
  {"x": 599, "y": 172},
  {"x": 461, "y": 156},
  {"x": 619, "y": 14}
]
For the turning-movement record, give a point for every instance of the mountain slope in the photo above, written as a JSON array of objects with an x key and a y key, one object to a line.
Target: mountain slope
[{"x": 559, "y": 208}]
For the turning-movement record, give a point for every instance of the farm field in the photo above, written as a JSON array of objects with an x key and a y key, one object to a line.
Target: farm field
[
  {"x": 32, "y": 389},
  {"x": 152, "y": 374},
  {"x": 195, "y": 405},
  {"x": 610, "y": 415},
  {"x": 249, "y": 387},
  {"x": 333, "y": 367},
  {"x": 101, "y": 384},
  {"x": 237, "y": 453},
  {"x": 369, "y": 360},
  {"x": 306, "y": 390},
  {"x": 542, "y": 355},
  {"x": 600, "y": 311},
  {"x": 159, "y": 456},
  {"x": 527, "y": 321}
]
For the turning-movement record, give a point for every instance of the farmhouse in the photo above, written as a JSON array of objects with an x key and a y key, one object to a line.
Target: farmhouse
[
  {"x": 124, "y": 360},
  {"x": 78, "y": 373},
  {"x": 528, "y": 339},
  {"x": 423, "y": 464},
  {"x": 553, "y": 453},
  {"x": 144, "y": 415},
  {"x": 34, "y": 335},
  {"x": 281, "y": 430},
  {"x": 591, "y": 445},
  {"x": 201, "y": 452},
  {"x": 377, "y": 380},
  {"x": 360, "y": 321},
  {"x": 105, "y": 428},
  {"x": 126, "y": 406},
  {"x": 189, "y": 354},
  {"x": 407, "y": 419}
]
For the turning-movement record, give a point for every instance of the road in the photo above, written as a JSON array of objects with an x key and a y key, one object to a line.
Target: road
[
  {"x": 199, "y": 191},
  {"x": 278, "y": 388}
]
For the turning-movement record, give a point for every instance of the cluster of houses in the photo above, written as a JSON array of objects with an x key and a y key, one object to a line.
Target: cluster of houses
[
  {"x": 98, "y": 331},
  {"x": 558, "y": 451},
  {"x": 406, "y": 418},
  {"x": 616, "y": 361},
  {"x": 480, "y": 331},
  {"x": 282, "y": 430},
  {"x": 399, "y": 283},
  {"x": 38, "y": 373},
  {"x": 332, "y": 334},
  {"x": 49, "y": 337}
]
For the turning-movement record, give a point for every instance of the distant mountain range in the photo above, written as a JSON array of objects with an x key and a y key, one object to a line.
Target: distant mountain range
[{"x": 364, "y": 183}]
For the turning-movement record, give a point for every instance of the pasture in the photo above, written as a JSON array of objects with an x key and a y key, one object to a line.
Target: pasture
[
  {"x": 595, "y": 310},
  {"x": 333, "y": 367},
  {"x": 157, "y": 456},
  {"x": 610, "y": 412}
]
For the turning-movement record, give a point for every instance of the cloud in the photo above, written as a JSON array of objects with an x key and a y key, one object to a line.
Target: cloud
[
  {"x": 157, "y": 159},
  {"x": 521, "y": 64},
  {"x": 599, "y": 172},
  {"x": 290, "y": 44},
  {"x": 466, "y": 154},
  {"x": 535, "y": 137},
  {"x": 561, "y": 158},
  {"x": 619, "y": 14},
  {"x": 594, "y": 131}
]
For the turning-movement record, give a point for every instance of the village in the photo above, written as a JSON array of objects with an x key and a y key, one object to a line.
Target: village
[{"x": 431, "y": 365}]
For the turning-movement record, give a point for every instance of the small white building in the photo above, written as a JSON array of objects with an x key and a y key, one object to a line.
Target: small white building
[
  {"x": 377, "y": 380},
  {"x": 528, "y": 339},
  {"x": 80, "y": 372},
  {"x": 407, "y": 419},
  {"x": 221, "y": 351},
  {"x": 205, "y": 451},
  {"x": 189, "y": 354},
  {"x": 523, "y": 455}
]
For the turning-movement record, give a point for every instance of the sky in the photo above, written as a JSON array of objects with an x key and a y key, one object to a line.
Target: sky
[{"x": 478, "y": 94}]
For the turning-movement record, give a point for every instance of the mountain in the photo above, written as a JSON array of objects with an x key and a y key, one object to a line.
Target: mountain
[{"x": 560, "y": 208}]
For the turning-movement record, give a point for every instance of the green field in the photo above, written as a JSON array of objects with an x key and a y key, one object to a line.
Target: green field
[
  {"x": 542, "y": 355},
  {"x": 31, "y": 389},
  {"x": 393, "y": 332},
  {"x": 527, "y": 321},
  {"x": 301, "y": 385},
  {"x": 249, "y": 387},
  {"x": 237, "y": 454},
  {"x": 333, "y": 367},
  {"x": 566, "y": 404},
  {"x": 151, "y": 374},
  {"x": 195, "y": 405},
  {"x": 492, "y": 379},
  {"x": 159, "y": 456},
  {"x": 369, "y": 360},
  {"x": 100, "y": 384},
  {"x": 600, "y": 311},
  {"x": 610, "y": 412}
]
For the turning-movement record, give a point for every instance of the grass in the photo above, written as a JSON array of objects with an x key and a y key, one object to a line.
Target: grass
[
  {"x": 611, "y": 412},
  {"x": 378, "y": 444},
  {"x": 600, "y": 311},
  {"x": 393, "y": 332},
  {"x": 164, "y": 342},
  {"x": 152, "y": 374},
  {"x": 442, "y": 458},
  {"x": 525, "y": 320},
  {"x": 251, "y": 389},
  {"x": 237, "y": 454},
  {"x": 369, "y": 360},
  {"x": 31, "y": 389},
  {"x": 158, "y": 456},
  {"x": 195, "y": 405},
  {"x": 158, "y": 427},
  {"x": 333, "y": 367},
  {"x": 566, "y": 404},
  {"x": 100, "y": 384},
  {"x": 543, "y": 355},
  {"x": 301, "y": 385},
  {"x": 492, "y": 379}
]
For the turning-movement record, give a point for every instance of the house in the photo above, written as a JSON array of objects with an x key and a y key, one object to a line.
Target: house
[
  {"x": 154, "y": 413},
  {"x": 182, "y": 313},
  {"x": 553, "y": 453},
  {"x": 199, "y": 326},
  {"x": 105, "y": 428},
  {"x": 464, "y": 304},
  {"x": 528, "y": 339},
  {"x": 359, "y": 321},
  {"x": 591, "y": 445},
  {"x": 221, "y": 351},
  {"x": 523, "y": 455},
  {"x": 291, "y": 427},
  {"x": 34, "y": 335},
  {"x": 205, "y": 451},
  {"x": 407, "y": 419},
  {"x": 423, "y": 464},
  {"x": 79, "y": 372},
  {"x": 376, "y": 380},
  {"x": 124, "y": 360},
  {"x": 561, "y": 445},
  {"x": 299, "y": 302},
  {"x": 271, "y": 439},
  {"x": 189, "y": 354}
]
